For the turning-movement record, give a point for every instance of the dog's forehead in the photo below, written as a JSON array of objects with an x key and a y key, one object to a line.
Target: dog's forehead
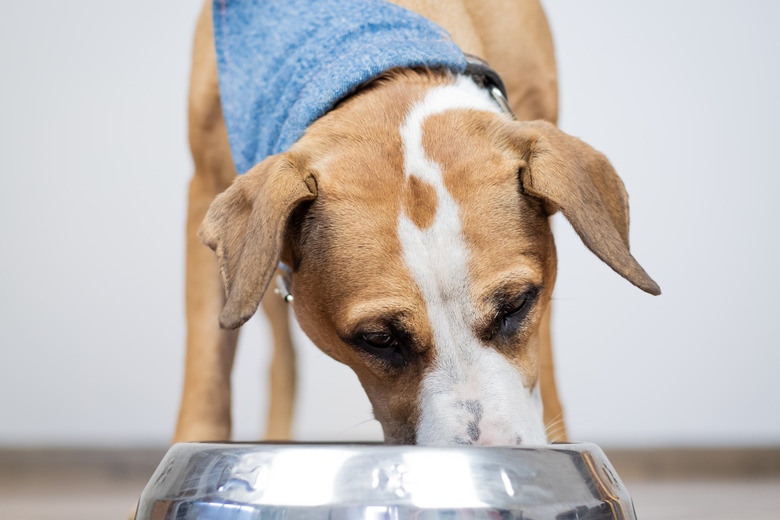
[
  {"x": 504, "y": 230},
  {"x": 368, "y": 182},
  {"x": 362, "y": 195}
]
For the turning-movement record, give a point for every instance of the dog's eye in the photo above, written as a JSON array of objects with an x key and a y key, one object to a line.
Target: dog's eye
[
  {"x": 510, "y": 316},
  {"x": 383, "y": 346},
  {"x": 515, "y": 311},
  {"x": 380, "y": 339},
  {"x": 516, "y": 307}
]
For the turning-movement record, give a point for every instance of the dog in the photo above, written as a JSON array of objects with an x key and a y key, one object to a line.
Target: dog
[{"x": 412, "y": 222}]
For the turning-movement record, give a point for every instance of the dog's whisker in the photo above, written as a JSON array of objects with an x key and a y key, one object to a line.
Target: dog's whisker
[
  {"x": 557, "y": 438},
  {"x": 361, "y": 423},
  {"x": 319, "y": 355},
  {"x": 559, "y": 299},
  {"x": 555, "y": 430},
  {"x": 555, "y": 422}
]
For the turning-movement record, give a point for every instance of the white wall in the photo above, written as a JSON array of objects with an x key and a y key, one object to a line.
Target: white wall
[{"x": 682, "y": 96}]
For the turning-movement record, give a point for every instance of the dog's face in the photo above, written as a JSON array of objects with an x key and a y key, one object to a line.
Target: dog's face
[{"x": 415, "y": 217}]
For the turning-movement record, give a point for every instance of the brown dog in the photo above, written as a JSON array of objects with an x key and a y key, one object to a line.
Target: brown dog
[{"x": 432, "y": 277}]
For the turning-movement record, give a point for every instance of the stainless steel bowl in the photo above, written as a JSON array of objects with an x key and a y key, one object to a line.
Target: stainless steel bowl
[{"x": 377, "y": 482}]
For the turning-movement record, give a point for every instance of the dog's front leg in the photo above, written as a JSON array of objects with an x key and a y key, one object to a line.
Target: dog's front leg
[
  {"x": 553, "y": 412},
  {"x": 205, "y": 405},
  {"x": 283, "y": 369}
]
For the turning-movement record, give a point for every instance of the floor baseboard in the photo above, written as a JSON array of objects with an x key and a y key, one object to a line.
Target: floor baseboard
[
  {"x": 695, "y": 463},
  {"x": 104, "y": 465}
]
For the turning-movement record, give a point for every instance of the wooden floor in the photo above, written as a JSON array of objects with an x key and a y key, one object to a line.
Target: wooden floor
[
  {"x": 665, "y": 484},
  {"x": 745, "y": 499}
]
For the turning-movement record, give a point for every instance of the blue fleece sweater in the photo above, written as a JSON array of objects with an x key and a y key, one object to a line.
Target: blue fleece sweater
[{"x": 284, "y": 63}]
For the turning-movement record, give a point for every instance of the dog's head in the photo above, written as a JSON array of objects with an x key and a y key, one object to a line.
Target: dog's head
[{"x": 415, "y": 219}]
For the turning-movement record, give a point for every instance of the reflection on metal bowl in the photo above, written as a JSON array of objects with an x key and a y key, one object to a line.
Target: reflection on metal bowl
[{"x": 376, "y": 482}]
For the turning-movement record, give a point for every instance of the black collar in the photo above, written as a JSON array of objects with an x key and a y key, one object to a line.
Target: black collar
[{"x": 487, "y": 78}]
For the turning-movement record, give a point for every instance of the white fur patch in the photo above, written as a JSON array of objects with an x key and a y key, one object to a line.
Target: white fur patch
[{"x": 472, "y": 395}]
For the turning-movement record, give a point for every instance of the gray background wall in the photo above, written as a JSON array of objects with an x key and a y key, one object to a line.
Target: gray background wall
[{"x": 682, "y": 96}]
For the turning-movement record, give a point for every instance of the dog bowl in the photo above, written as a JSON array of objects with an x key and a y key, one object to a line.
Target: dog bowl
[{"x": 376, "y": 482}]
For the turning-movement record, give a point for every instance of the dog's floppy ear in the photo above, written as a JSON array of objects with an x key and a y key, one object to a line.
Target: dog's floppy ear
[
  {"x": 245, "y": 226},
  {"x": 569, "y": 175}
]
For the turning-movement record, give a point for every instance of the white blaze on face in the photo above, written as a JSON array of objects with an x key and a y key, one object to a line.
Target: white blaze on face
[{"x": 472, "y": 394}]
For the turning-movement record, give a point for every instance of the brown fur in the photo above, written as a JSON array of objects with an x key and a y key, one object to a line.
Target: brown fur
[
  {"x": 420, "y": 202},
  {"x": 330, "y": 206}
]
